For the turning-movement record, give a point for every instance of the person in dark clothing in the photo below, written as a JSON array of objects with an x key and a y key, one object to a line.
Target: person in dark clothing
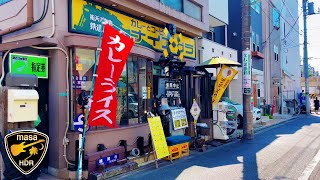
[{"x": 316, "y": 105}]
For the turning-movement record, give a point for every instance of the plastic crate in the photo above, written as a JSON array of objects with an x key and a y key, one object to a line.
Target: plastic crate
[
  {"x": 174, "y": 152},
  {"x": 185, "y": 149}
]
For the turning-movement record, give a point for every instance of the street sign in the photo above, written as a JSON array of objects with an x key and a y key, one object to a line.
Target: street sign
[
  {"x": 246, "y": 72},
  {"x": 195, "y": 111}
]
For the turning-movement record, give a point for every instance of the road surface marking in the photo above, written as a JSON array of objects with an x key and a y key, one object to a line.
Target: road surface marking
[{"x": 307, "y": 172}]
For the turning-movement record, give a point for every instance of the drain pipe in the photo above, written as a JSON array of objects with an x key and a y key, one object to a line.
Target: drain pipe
[
  {"x": 26, "y": 24},
  {"x": 65, "y": 139}
]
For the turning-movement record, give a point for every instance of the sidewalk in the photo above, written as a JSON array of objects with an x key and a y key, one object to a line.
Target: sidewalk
[{"x": 258, "y": 126}]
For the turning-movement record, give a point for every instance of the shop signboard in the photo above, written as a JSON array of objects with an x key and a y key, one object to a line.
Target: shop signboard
[
  {"x": 79, "y": 82},
  {"x": 225, "y": 76},
  {"x": 86, "y": 18},
  {"x": 116, "y": 47},
  {"x": 108, "y": 160},
  {"x": 195, "y": 111},
  {"x": 231, "y": 113},
  {"x": 28, "y": 64},
  {"x": 159, "y": 140},
  {"x": 172, "y": 89},
  {"x": 247, "y": 72},
  {"x": 179, "y": 118},
  {"x": 144, "y": 92}
]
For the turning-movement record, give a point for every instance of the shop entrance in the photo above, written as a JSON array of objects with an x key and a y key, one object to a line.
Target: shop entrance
[{"x": 43, "y": 126}]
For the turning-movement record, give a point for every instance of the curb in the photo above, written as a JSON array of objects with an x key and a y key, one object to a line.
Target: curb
[{"x": 263, "y": 129}]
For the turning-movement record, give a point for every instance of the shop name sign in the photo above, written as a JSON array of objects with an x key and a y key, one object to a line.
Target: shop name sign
[
  {"x": 246, "y": 63},
  {"x": 87, "y": 17},
  {"x": 28, "y": 65},
  {"x": 172, "y": 89}
]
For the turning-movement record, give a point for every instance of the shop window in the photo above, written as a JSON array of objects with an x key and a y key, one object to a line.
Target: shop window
[
  {"x": 142, "y": 86},
  {"x": 132, "y": 102}
]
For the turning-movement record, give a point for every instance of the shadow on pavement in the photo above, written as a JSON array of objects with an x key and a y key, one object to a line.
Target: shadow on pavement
[{"x": 241, "y": 155}]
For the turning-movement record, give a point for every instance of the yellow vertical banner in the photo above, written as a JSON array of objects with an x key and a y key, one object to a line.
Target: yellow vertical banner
[
  {"x": 224, "y": 78},
  {"x": 158, "y": 138}
]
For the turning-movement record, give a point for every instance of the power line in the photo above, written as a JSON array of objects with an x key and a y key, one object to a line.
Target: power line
[
  {"x": 292, "y": 27},
  {"x": 269, "y": 2},
  {"x": 269, "y": 21}
]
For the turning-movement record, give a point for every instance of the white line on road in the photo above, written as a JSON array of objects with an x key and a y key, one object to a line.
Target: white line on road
[{"x": 307, "y": 172}]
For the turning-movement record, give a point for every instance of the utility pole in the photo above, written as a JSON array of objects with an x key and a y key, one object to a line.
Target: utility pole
[
  {"x": 247, "y": 70},
  {"x": 305, "y": 56}
]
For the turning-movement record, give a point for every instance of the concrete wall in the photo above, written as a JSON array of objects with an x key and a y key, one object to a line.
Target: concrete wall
[
  {"x": 266, "y": 49},
  {"x": 43, "y": 28},
  {"x": 290, "y": 45},
  {"x": 211, "y": 49}
]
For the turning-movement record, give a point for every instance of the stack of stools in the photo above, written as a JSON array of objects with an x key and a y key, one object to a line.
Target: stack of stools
[{"x": 178, "y": 146}]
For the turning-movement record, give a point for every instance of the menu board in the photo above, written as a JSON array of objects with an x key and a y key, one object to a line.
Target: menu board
[
  {"x": 179, "y": 118},
  {"x": 158, "y": 138}
]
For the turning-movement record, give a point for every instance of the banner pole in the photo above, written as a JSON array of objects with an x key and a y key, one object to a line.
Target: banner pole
[{"x": 81, "y": 148}]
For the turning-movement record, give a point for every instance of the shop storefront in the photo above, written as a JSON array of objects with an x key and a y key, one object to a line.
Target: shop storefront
[
  {"x": 141, "y": 80},
  {"x": 71, "y": 50}
]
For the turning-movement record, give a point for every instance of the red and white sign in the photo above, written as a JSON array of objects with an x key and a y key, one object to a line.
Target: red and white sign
[{"x": 113, "y": 56}]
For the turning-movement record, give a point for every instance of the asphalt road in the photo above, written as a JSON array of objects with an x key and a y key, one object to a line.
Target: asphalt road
[{"x": 286, "y": 151}]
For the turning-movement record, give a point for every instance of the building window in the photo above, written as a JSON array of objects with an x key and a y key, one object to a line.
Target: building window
[
  {"x": 132, "y": 104},
  {"x": 191, "y": 9},
  {"x": 185, "y": 6},
  {"x": 276, "y": 53},
  {"x": 4, "y": 1},
  {"x": 253, "y": 41},
  {"x": 258, "y": 42},
  {"x": 256, "y": 5},
  {"x": 174, "y": 4},
  {"x": 275, "y": 18}
]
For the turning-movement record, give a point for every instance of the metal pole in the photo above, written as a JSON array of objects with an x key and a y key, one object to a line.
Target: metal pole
[
  {"x": 246, "y": 45},
  {"x": 305, "y": 56}
]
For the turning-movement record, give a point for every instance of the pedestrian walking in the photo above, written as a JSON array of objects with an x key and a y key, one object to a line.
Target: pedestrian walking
[{"x": 316, "y": 105}]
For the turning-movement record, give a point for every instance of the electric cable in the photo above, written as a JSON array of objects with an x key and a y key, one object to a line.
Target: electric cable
[
  {"x": 2, "y": 66},
  {"x": 44, "y": 12},
  {"x": 273, "y": 26}
]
